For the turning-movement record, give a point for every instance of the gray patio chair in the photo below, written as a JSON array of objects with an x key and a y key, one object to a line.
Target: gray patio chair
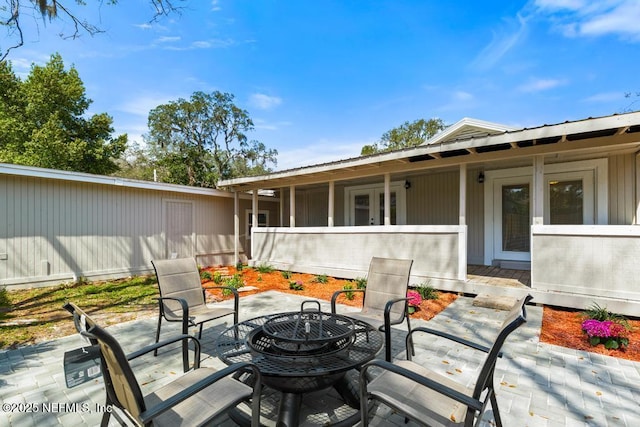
[
  {"x": 182, "y": 297},
  {"x": 385, "y": 297},
  {"x": 193, "y": 399},
  {"x": 430, "y": 398}
]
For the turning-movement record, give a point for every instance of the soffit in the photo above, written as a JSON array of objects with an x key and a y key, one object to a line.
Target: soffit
[{"x": 590, "y": 136}]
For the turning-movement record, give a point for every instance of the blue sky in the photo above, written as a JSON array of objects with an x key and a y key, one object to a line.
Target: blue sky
[{"x": 322, "y": 79}]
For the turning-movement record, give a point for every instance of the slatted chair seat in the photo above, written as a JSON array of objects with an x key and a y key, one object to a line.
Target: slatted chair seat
[
  {"x": 433, "y": 399},
  {"x": 194, "y": 399}
]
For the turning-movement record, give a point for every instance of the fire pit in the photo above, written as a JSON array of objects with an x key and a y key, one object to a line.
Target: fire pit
[{"x": 300, "y": 352}]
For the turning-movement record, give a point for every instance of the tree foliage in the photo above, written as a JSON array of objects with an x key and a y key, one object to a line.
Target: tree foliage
[
  {"x": 43, "y": 123},
  {"x": 409, "y": 134},
  {"x": 202, "y": 140},
  {"x": 12, "y": 12}
]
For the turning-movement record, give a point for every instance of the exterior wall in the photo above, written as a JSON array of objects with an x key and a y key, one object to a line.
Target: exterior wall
[
  {"x": 433, "y": 199},
  {"x": 596, "y": 263},
  {"x": 53, "y": 230},
  {"x": 437, "y": 251},
  {"x": 622, "y": 191}
]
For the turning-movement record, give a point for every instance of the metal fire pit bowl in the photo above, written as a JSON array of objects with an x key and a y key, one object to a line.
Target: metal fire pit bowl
[{"x": 301, "y": 352}]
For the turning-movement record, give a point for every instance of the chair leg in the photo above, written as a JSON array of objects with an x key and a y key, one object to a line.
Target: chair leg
[
  {"x": 413, "y": 349},
  {"x": 200, "y": 332},
  {"x": 494, "y": 406},
  {"x": 155, "y": 352}
]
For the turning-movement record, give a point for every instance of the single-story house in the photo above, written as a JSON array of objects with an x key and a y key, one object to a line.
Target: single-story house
[
  {"x": 561, "y": 200},
  {"x": 58, "y": 226}
]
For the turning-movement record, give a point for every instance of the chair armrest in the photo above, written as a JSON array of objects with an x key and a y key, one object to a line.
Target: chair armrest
[
  {"x": 451, "y": 337},
  {"x": 152, "y": 347},
  {"x": 387, "y": 311},
  {"x": 236, "y": 296},
  {"x": 185, "y": 311},
  {"x": 153, "y": 412},
  {"x": 472, "y": 403},
  {"x": 336, "y": 294}
]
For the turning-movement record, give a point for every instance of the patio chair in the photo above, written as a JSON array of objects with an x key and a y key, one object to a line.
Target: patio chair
[
  {"x": 182, "y": 297},
  {"x": 385, "y": 297},
  {"x": 430, "y": 398},
  {"x": 195, "y": 398}
]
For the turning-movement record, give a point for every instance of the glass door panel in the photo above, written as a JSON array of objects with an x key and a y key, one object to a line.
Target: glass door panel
[
  {"x": 361, "y": 206},
  {"x": 381, "y": 208},
  {"x": 566, "y": 202},
  {"x": 515, "y": 218}
]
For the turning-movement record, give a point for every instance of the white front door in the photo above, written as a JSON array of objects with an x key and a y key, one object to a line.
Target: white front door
[{"x": 512, "y": 224}]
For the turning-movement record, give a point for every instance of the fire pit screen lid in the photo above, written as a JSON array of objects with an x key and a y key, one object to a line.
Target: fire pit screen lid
[{"x": 308, "y": 326}]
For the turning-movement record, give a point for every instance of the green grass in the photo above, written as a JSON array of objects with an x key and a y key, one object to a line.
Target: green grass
[{"x": 34, "y": 313}]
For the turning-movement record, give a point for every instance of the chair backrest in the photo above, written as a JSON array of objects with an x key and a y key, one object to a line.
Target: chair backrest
[
  {"x": 388, "y": 279},
  {"x": 515, "y": 318},
  {"x": 120, "y": 383},
  {"x": 179, "y": 278}
]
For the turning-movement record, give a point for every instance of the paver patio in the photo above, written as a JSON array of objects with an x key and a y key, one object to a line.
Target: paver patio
[{"x": 538, "y": 384}]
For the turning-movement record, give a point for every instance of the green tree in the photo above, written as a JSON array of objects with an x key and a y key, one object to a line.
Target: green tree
[
  {"x": 13, "y": 11},
  {"x": 409, "y": 134},
  {"x": 202, "y": 140},
  {"x": 43, "y": 123}
]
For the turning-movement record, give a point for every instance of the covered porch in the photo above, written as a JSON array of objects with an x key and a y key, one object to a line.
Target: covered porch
[{"x": 558, "y": 200}]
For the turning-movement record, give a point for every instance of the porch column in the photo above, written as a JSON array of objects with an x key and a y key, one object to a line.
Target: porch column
[
  {"x": 462, "y": 220},
  {"x": 538, "y": 191},
  {"x": 281, "y": 207},
  {"x": 292, "y": 206},
  {"x": 387, "y": 199},
  {"x": 236, "y": 227},
  {"x": 636, "y": 219},
  {"x": 254, "y": 214},
  {"x": 463, "y": 195},
  {"x": 331, "y": 203}
]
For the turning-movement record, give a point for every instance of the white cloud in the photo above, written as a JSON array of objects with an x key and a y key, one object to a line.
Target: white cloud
[
  {"x": 323, "y": 151},
  {"x": 141, "y": 105},
  {"x": 462, "y": 96},
  {"x": 215, "y": 6},
  {"x": 605, "y": 97},
  {"x": 168, "y": 39},
  {"x": 264, "y": 102},
  {"x": 538, "y": 85},
  {"x": 578, "y": 18},
  {"x": 272, "y": 126},
  {"x": 504, "y": 39}
]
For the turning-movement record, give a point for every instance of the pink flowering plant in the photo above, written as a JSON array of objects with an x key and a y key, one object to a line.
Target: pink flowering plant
[
  {"x": 604, "y": 327},
  {"x": 413, "y": 300}
]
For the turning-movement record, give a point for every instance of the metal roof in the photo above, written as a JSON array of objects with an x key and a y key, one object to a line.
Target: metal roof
[{"x": 570, "y": 135}]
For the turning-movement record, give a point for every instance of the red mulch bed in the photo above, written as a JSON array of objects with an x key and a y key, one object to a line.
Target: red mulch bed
[{"x": 559, "y": 326}]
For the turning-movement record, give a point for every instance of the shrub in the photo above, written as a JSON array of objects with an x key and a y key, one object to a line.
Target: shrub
[
  {"x": 286, "y": 274},
  {"x": 296, "y": 285},
  {"x": 604, "y": 327},
  {"x": 349, "y": 294},
  {"x": 239, "y": 266},
  {"x": 233, "y": 282},
  {"x": 217, "y": 277},
  {"x": 321, "y": 278},
  {"x": 205, "y": 275},
  {"x": 427, "y": 292},
  {"x": 264, "y": 268},
  {"x": 361, "y": 282},
  {"x": 4, "y": 297}
]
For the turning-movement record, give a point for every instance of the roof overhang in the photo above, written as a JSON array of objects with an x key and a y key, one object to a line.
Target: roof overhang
[{"x": 617, "y": 131}]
